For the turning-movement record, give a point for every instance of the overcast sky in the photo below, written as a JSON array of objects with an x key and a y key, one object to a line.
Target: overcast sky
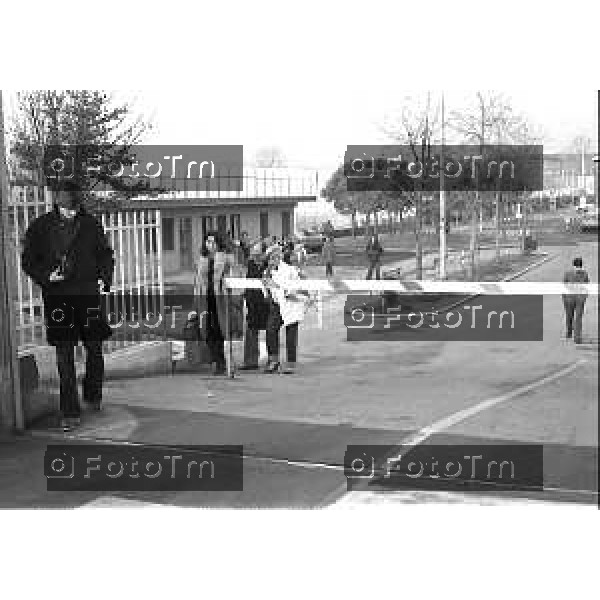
[
  {"x": 313, "y": 129},
  {"x": 312, "y": 77}
]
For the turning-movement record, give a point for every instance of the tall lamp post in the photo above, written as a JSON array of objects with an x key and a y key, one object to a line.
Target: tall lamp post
[{"x": 442, "y": 263}]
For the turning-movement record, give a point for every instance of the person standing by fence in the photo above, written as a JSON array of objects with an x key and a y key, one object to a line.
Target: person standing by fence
[
  {"x": 574, "y": 304},
  {"x": 67, "y": 254}
]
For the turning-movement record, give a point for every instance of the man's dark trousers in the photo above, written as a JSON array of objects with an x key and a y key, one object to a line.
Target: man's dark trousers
[
  {"x": 574, "y": 306},
  {"x": 274, "y": 324},
  {"x": 92, "y": 382},
  {"x": 251, "y": 347},
  {"x": 376, "y": 267},
  {"x": 215, "y": 338}
]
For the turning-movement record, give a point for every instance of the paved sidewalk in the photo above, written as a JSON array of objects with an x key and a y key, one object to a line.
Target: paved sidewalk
[{"x": 344, "y": 393}]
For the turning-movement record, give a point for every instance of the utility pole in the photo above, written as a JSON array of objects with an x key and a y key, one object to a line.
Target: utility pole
[
  {"x": 442, "y": 263},
  {"x": 11, "y": 412},
  {"x": 474, "y": 245},
  {"x": 499, "y": 212}
]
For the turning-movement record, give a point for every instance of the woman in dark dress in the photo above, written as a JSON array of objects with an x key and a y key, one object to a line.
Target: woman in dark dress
[
  {"x": 257, "y": 307},
  {"x": 212, "y": 266}
]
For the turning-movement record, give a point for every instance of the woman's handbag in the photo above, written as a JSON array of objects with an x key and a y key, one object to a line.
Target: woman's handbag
[{"x": 196, "y": 348}]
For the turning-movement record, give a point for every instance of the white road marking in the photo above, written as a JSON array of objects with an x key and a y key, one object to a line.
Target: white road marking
[
  {"x": 460, "y": 416},
  {"x": 361, "y": 499},
  {"x": 116, "y": 502},
  {"x": 457, "y": 417}
]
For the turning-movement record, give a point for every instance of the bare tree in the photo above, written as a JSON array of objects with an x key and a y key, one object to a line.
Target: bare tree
[
  {"x": 91, "y": 119},
  {"x": 491, "y": 118},
  {"x": 418, "y": 125}
]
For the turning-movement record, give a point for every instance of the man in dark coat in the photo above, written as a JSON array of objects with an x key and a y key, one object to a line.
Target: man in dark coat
[{"x": 67, "y": 254}]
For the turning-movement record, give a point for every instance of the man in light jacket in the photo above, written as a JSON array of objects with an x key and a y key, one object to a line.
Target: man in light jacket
[{"x": 574, "y": 304}]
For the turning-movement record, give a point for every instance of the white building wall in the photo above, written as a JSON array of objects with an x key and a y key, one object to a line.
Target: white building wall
[{"x": 249, "y": 222}]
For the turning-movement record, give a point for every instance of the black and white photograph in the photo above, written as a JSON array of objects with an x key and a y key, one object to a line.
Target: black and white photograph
[{"x": 272, "y": 269}]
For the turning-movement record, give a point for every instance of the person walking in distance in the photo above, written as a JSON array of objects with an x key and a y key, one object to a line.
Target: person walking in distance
[
  {"x": 328, "y": 254},
  {"x": 67, "y": 254},
  {"x": 574, "y": 304},
  {"x": 374, "y": 252}
]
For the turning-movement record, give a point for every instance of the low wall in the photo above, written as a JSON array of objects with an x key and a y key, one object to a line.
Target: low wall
[{"x": 40, "y": 382}]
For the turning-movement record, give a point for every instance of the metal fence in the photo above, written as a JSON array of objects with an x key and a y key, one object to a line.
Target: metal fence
[
  {"x": 246, "y": 183},
  {"x": 135, "y": 303},
  {"x": 138, "y": 285}
]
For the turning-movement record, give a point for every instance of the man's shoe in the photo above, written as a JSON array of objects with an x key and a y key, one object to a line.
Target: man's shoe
[{"x": 289, "y": 368}]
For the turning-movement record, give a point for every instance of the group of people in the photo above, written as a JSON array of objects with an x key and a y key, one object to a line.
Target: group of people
[
  {"x": 66, "y": 252},
  {"x": 269, "y": 308}
]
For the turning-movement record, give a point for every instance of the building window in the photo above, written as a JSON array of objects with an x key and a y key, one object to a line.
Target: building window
[
  {"x": 234, "y": 226},
  {"x": 150, "y": 237},
  {"x": 207, "y": 225},
  {"x": 168, "y": 233},
  {"x": 286, "y": 223},
  {"x": 222, "y": 224},
  {"x": 264, "y": 224}
]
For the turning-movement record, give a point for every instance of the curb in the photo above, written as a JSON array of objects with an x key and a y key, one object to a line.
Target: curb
[{"x": 547, "y": 257}]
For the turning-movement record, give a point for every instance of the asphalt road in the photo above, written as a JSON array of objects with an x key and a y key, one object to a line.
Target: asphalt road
[{"x": 402, "y": 394}]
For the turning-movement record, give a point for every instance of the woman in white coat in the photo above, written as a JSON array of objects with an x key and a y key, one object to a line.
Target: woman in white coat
[{"x": 286, "y": 307}]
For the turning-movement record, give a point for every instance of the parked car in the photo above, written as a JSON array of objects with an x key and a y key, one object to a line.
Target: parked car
[
  {"x": 589, "y": 222},
  {"x": 312, "y": 241}
]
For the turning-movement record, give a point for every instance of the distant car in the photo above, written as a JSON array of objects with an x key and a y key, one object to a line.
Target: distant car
[
  {"x": 589, "y": 222},
  {"x": 312, "y": 241}
]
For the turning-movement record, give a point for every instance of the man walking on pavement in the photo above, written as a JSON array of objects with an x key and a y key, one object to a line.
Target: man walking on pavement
[
  {"x": 67, "y": 254},
  {"x": 574, "y": 303}
]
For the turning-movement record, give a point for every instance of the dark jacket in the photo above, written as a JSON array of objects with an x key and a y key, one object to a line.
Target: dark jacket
[
  {"x": 328, "y": 252},
  {"x": 256, "y": 303},
  {"x": 374, "y": 250},
  {"x": 224, "y": 265},
  {"x": 576, "y": 275},
  {"x": 90, "y": 257},
  {"x": 82, "y": 248}
]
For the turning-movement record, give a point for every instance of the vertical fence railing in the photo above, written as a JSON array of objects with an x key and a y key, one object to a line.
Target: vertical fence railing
[
  {"x": 134, "y": 302},
  {"x": 25, "y": 204}
]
